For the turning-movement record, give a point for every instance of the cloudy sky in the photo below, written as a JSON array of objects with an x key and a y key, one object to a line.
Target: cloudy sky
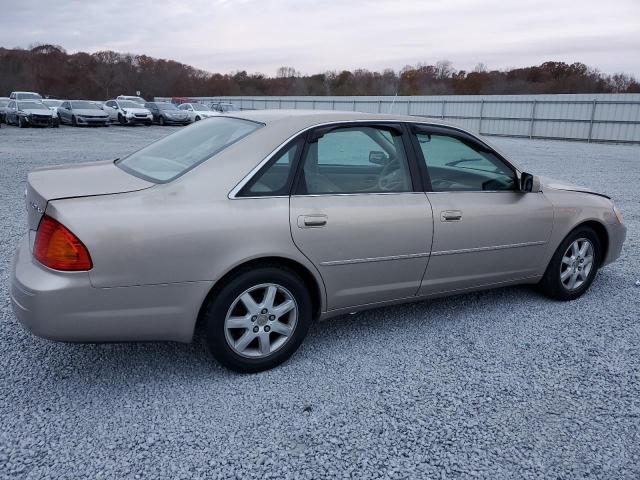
[{"x": 319, "y": 35}]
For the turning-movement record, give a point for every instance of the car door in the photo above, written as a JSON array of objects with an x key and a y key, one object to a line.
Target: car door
[
  {"x": 11, "y": 113},
  {"x": 63, "y": 112},
  {"x": 357, "y": 213},
  {"x": 486, "y": 231},
  {"x": 112, "y": 110}
]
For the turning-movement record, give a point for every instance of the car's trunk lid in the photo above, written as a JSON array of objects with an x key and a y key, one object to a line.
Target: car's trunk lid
[{"x": 79, "y": 180}]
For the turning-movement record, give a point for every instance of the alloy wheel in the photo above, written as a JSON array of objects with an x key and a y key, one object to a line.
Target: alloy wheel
[
  {"x": 261, "y": 320},
  {"x": 576, "y": 264}
]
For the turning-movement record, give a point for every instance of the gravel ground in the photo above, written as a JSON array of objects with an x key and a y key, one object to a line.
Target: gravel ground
[{"x": 502, "y": 384}]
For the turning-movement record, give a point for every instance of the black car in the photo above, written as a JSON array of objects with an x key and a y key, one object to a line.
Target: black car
[{"x": 165, "y": 113}]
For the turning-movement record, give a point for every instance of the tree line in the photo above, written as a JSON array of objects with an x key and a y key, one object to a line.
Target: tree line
[{"x": 50, "y": 70}]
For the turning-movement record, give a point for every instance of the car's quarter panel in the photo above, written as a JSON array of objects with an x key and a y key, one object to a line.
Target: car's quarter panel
[
  {"x": 65, "y": 306},
  {"x": 499, "y": 237},
  {"x": 372, "y": 248}
]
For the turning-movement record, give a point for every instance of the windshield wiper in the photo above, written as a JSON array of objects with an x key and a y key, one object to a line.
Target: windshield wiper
[{"x": 462, "y": 160}]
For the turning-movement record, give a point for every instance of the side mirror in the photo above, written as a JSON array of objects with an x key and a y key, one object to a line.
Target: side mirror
[
  {"x": 529, "y": 183},
  {"x": 378, "y": 158}
]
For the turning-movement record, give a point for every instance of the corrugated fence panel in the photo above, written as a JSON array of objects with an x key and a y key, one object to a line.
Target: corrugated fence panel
[{"x": 590, "y": 117}]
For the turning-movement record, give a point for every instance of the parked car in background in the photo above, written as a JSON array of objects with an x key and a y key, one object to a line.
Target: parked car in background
[
  {"x": 82, "y": 112},
  {"x": 165, "y": 113},
  {"x": 4, "y": 103},
  {"x": 127, "y": 112},
  {"x": 224, "y": 107},
  {"x": 197, "y": 111},
  {"x": 133, "y": 98},
  {"x": 31, "y": 113},
  {"x": 25, "y": 96},
  {"x": 350, "y": 211},
  {"x": 53, "y": 104}
]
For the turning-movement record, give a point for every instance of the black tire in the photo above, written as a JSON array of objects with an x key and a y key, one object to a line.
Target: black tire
[
  {"x": 161, "y": 121},
  {"x": 215, "y": 312},
  {"x": 21, "y": 124},
  {"x": 551, "y": 284},
  {"x": 197, "y": 119},
  {"x": 121, "y": 119},
  {"x": 74, "y": 122}
]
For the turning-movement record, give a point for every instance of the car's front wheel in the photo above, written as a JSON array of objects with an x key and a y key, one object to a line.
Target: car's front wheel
[
  {"x": 573, "y": 266},
  {"x": 258, "y": 319}
]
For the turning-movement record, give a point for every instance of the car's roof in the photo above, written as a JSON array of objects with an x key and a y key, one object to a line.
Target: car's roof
[{"x": 307, "y": 118}]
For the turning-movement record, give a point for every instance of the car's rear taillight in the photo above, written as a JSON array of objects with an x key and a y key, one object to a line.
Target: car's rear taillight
[{"x": 56, "y": 247}]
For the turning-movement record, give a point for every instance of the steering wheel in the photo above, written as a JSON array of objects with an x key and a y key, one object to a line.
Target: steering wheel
[{"x": 391, "y": 178}]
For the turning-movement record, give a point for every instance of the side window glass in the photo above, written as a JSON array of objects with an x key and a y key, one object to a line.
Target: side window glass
[
  {"x": 455, "y": 164},
  {"x": 276, "y": 178},
  {"x": 356, "y": 160}
]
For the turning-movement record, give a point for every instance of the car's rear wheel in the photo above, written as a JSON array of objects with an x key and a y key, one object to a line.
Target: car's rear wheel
[
  {"x": 258, "y": 319},
  {"x": 573, "y": 266}
]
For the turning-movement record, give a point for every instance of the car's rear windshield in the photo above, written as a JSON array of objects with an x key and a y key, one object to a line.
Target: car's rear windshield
[
  {"x": 28, "y": 96},
  {"x": 178, "y": 153}
]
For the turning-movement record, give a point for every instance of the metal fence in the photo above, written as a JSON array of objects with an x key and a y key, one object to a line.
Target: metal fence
[{"x": 592, "y": 118}]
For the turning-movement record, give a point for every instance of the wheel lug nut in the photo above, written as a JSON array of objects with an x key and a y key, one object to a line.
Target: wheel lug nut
[
  {"x": 254, "y": 318},
  {"x": 267, "y": 328},
  {"x": 264, "y": 310},
  {"x": 256, "y": 329},
  {"x": 272, "y": 317}
]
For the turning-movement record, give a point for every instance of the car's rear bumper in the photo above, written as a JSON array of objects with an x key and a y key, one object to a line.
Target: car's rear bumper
[{"x": 65, "y": 306}]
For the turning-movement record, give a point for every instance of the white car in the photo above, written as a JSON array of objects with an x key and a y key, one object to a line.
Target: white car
[
  {"x": 198, "y": 111},
  {"x": 52, "y": 104},
  {"x": 127, "y": 112},
  {"x": 25, "y": 96},
  {"x": 133, "y": 98}
]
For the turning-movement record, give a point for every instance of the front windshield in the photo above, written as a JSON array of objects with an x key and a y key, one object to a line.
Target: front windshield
[
  {"x": 84, "y": 105},
  {"x": 32, "y": 106},
  {"x": 175, "y": 154},
  {"x": 128, "y": 104},
  {"x": 52, "y": 103},
  {"x": 4, "y": 103},
  {"x": 28, "y": 96},
  {"x": 200, "y": 108},
  {"x": 166, "y": 106}
]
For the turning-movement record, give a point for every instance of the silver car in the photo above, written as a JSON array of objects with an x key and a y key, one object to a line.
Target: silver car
[
  {"x": 255, "y": 225},
  {"x": 82, "y": 112}
]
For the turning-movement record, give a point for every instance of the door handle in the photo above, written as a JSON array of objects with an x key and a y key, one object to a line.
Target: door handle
[
  {"x": 312, "y": 221},
  {"x": 450, "y": 216}
]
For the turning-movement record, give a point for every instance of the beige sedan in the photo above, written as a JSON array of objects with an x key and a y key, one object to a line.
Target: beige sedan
[{"x": 258, "y": 223}]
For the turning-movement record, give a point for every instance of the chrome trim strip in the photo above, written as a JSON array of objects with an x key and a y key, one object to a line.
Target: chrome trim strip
[
  {"x": 232, "y": 194},
  {"x": 373, "y": 259},
  {"x": 487, "y": 249},
  {"x": 433, "y": 254}
]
